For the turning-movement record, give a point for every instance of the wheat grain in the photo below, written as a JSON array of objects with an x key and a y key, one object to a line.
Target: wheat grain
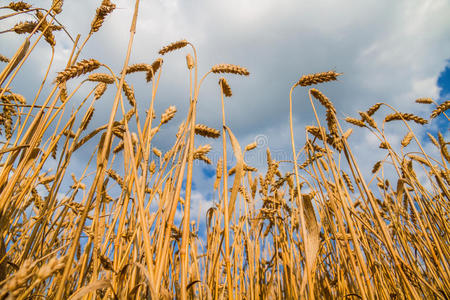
[
  {"x": 100, "y": 90},
  {"x": 138, "y": 68},
  {"x": 373, "y": 109},
  {"x": 55, "y": 151},
  {"x": 247, "y": 168},
  {"x": 46, "y": 28},
  {"x": 152, "y": 167},
  {"x": 47, "y": 179},
  {"x": 419, "y": 159},
  {"x": 368, "y": 119},
  {"x": 324, "y": 164},
  {"x": 129, "y": 114},
  {"x": 354, "y": 121},
  {"x": 433, "y": 140},
  {"x": 63, "y": 92},
  {"x": 310, "y": 160},
  {"x": 134, "y": 139},
  {"x": 347, "y": 134},
  {"x": 101, "y": 77},
  {"x": 347, "y": 181},
  {"x": 19, "y": 6},
  {"x": 57, "y": 6},
  {"x": 129, "y": 93},
  {"x": 24, "y": 27},
  {"x": 424, "y": 100},
  {"x": 331, "y": 122},
  {"x": 440, "y": 109},
  {"x": 112, "y": 174},
  {"x": 219, "y": 169},
  {"x": 232, "y": 69},
  {"x": 406, "y": 117},
  {"x": 16, "y": 98},
  {"x": 157, "y": 152},
  {"x": 83, "y": 67},
  {"x": 315, "y": 148},
  {"x": 251, "y": 146},
  {"x": 4, "y": 58},
  {"x": 316, "y": 78},
  {"x": 168, "y": 114},
  {"x": 383, "y": 145},
  {"x": 203, "y": 158},
  {"x": 322, "y": 99},
  {"x": 206, "y": 131},
  {"x": 105, "y": 9},
  {"x": 69, "y": 133},
  {"x": 316, "y": 131},
  {"x": 376, "y": 167},
  {"x": 155, "y": 67},
  {"x": 446, "y": 175},
  {"x": 173, "y": 46},
  {"x": 119, "y": 147},
  {"x": 189, "y": 61},
  {"x": 48, "y": 269},
  {"x": 87, "y": 118},
  {"x": 202, "y": 150},
  {"x": 443, "y": 145},
  {"x": 244, "y": 193},
  {"x": 335, "y": 142},
  {"x": 226, "y": 90},
  {"x": 407, "y": 139}
]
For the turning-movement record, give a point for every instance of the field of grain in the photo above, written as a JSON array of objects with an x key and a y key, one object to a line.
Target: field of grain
[{"x": 322, "y": 230}]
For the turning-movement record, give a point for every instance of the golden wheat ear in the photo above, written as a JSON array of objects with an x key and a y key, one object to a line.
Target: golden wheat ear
[
  {"x": 206, "y": 131},
  {"x": 19, "y": 6},
  {"x": 174, "y": 46},
  {"x": 316, "y": 78},
  {"x": 232, "y": 69},
  {"x": 406, "y": 117},
  {"x": 226, "y": 89},
  {"x": 82, "y": 67},
  {"x": 440, "y": 109}
]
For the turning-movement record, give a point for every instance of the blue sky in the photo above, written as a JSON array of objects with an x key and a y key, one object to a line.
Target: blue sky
[{"x": 444, "y": 82}]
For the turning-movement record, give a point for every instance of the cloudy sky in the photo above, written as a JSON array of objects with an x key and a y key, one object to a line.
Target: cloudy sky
[{"x": 388, "y": 51}]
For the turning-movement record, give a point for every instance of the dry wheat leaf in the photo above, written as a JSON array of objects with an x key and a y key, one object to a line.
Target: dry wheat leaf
[{"x": 239, "y": 170}]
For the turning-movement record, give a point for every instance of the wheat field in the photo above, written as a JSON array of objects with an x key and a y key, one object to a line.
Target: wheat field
[{"x": 321, "y": 230}]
